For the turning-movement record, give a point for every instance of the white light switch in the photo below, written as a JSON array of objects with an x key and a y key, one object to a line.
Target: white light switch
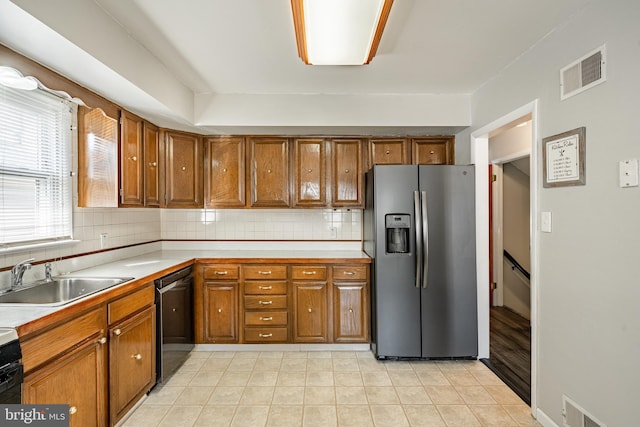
[
  {"x": 629, "y": 173},
  {"x": 545, "y": 222}
]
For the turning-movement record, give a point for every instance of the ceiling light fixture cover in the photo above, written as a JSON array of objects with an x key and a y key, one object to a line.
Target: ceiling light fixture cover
[{"x": 339, "y": 32}]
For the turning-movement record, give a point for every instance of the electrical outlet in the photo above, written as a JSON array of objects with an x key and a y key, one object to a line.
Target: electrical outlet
[
  {"x": 333, "y": 232},
  {"x": 103, "y": 240}
]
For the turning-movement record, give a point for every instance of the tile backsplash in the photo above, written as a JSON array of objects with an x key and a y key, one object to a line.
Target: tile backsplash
[
  {"x": 262, "y": 224},
  {"x": 124, "y": 227}
]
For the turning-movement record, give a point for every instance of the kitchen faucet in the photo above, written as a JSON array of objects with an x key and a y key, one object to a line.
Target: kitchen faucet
[{"x": 18, "y": 271}]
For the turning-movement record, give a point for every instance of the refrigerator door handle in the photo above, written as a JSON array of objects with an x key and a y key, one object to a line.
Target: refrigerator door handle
[
  {"x": 418, "y": 225},
  {"x": 425, "y": 239}
]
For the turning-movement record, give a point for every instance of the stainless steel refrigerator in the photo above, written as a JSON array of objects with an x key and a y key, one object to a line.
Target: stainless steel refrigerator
[{"x": 419, "y": 229}]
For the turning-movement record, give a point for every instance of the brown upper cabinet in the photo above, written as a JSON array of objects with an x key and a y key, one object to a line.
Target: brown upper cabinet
[
  {"x": 347, "y": 173},
  {"x": 183, "y": 174},
  {"x": 131, "y": 160},
  {"x": 433, "y": 150},
  {"x": 309, "y": 168},
  {"x": 389, "y": 151},
  {"x": 97, "y": 159},
  {"x": 269, "y": 172},
  {"x": 152, "y": 165},
  {"x": 225, "y": 172}
]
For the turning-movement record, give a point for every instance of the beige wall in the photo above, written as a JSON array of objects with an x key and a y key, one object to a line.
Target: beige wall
[{"x": 588, "y": 316}]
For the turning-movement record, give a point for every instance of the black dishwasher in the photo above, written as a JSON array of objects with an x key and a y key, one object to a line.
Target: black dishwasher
[
  {"x": 174, "y": 311},
  {"x": 11, "y": 371}
]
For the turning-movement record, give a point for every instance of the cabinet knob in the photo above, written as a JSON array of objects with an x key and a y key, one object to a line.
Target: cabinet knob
[
  {"x": 432, "y": 152},
  {"x": 174, "y": 310},
  {"x": 184, "y": 168},
  {"x": 309, "y": 309},
  {"x": 136, "y": 356},
  {"x": 387, "y": 152},
  {"x": 117, "y": 332},
  {"x": 265, "y": 302},
  {"x": 224, "y": 170},
  {"x": 309, "y": 170},
  {"x": 73, "y": 410},
  {"x": 102, "y": 340},
  {"x": 351, "y": 310},
  {"x": 346, "y": 171},
  {"x": 268, "y": 170},
  {"x": 153, "y": 164},
  {"x": 219, "y": 310},
  {"x": 266, "y": 319},
  {"x": 221, "y": 273},
  {"x": 265, "y": 335},
  {"x": 133, "y": 158}
]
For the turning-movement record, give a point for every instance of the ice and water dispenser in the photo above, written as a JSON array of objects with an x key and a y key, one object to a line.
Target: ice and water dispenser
[{"x": 397, "y": 233}]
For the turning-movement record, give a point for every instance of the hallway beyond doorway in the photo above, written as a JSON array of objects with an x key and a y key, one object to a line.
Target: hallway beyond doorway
[{"x": 510, "y": 350}]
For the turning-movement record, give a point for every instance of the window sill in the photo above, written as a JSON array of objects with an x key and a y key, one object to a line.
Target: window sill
[{"x": 33, "y": 246}]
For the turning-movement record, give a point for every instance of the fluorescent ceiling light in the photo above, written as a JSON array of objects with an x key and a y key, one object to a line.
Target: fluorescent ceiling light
[{"x": 339, "y": 32}]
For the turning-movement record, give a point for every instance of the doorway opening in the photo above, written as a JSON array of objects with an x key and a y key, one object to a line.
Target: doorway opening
[
  {"x": 485, "y": 156},
  {"x": 510, "y": 256}
]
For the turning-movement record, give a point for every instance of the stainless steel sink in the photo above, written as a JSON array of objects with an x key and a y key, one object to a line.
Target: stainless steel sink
[{"x": 60, "y": 290}]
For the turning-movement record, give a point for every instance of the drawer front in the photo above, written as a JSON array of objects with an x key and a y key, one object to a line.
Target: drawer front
[
  {"x": 220, "y": 271},
  {"x": 50, "y": 344},
  {"x": 313, "y": 272},
  {"x": 265, "y": 272},
  {"x": 131, "y": 303},
  {"x": 265, "y": 287},
  {"x": 265, "y": 334},
  {"x": 350, "y": 272},
  {"x": 263, "y": 302},
  {"x": 265, "y": 318}
]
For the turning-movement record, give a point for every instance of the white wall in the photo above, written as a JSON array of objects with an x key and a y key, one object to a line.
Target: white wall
[
  {"x": 516, "y": 290},
  {"x": 588, "y": 316}
]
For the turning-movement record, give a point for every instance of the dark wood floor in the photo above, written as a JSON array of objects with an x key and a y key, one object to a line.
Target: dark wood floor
[{"x": 510, "y": 350}]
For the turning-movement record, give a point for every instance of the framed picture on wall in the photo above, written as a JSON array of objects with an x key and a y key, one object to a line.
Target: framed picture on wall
[{"x": 563, "y": 159}]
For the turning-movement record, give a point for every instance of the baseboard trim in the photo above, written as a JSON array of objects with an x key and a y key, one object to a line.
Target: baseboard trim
[
  {"x": 543, "y": 419},
  {"x": 282, "y": 347}
]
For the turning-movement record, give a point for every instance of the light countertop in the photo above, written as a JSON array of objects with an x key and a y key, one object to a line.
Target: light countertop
[{"x": 159, "y": 263}]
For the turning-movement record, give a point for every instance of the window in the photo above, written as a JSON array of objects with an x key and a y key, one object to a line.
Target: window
[{"x": 35, "y": 165}]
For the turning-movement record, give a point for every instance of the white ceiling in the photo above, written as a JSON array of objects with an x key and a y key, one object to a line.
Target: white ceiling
[
  {"x": 248, "y": 46},
  {"x": 209, "y": 47}
]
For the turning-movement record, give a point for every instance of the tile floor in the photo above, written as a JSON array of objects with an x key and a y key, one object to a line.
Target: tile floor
[{"x": 329, "y": 389}]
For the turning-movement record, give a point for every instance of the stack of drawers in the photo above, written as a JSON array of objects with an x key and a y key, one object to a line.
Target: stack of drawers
[{"x": 265, "y": 303}]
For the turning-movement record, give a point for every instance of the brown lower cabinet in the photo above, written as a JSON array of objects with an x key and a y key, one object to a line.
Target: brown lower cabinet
[
  {"x": 100, "y": 362},
  {"x": 282, "y": 302}
]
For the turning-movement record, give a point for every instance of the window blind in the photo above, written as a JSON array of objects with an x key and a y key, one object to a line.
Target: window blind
[{"x": 35, "y": 165}]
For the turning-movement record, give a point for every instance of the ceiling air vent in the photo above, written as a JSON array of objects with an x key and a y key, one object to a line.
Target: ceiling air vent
[
  {"x": 583, "y": 74},
  {"x": 574, "y": 416}
]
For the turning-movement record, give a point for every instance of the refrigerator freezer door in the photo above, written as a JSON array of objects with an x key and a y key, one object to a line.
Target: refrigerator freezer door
[
  {"x": 449, "y": 310},
  {"x": 396, "y": 300}
]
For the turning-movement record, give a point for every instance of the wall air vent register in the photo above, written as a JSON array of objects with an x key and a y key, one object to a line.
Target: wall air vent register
[{"x": 583, "y": 74}]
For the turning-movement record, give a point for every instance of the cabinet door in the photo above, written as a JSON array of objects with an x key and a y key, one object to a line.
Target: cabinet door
[
  {"x": 433, "y": 150},
  {"x": 77, "y": 379},
  {"x": 225, "y": 173},
  {"x": 269, "y": 170},
  {"x": 152, "y": 165},
  {"x": 346, "y": 173},
  {"x": 183, "y": 170},
  {"x": 132, "y": 361},
  {"x": 310, "y": 312},
  {"x": 350, "y": 311},
  {"x": 131, "y": 161},
  {"x": 97, "y": 159},
  {"x": 220, "y": 312},
  {"x": 388, "y": 151},
  {"x": 309, "y": 164}
]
